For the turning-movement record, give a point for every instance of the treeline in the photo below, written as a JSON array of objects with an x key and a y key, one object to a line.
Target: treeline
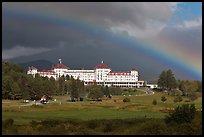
[
  {"x": 16, "y": 84},
  {"x": 168, "y": 82}
]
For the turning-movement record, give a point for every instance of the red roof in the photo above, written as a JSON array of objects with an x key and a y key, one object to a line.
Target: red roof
[
  {"x": 50, "y": 72},
  {"x": 119, "y": 73},
  {"x": 103, "y": 66},
  {"x": 60, "y": 66},
  {"x": 43, "y": 97}
]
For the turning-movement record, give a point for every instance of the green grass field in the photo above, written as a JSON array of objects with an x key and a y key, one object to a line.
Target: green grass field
[{"x": 114, "y": 108}]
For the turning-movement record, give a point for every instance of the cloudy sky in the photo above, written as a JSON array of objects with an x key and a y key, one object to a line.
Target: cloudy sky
[{"x": 149, "y": 36}]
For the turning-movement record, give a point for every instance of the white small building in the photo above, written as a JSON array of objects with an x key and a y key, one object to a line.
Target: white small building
[
  {"x": 101, "y": 75},
  {"x": 152, "y": 86}
]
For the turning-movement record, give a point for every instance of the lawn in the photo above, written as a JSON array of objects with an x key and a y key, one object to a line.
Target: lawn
[{"x": 114, "y": 108}]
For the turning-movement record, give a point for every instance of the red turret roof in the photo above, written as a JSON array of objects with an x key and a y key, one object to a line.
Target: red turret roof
[
  {"x": 103, "y": 66},
  {"x": 60, "y": 66}
]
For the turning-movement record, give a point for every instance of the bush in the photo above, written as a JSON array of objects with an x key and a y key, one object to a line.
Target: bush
[
  {"x": 178, "y": 99},
  {"x": 163, "y": 98},
  {"x": 152, "y": 127},
  {"x": 187, "y": 100},
  {"x": 126, "y": 100},
  {"x": 192, "y": 96},
  {"x": 92, "y": 124},
  {"x": 182, "y": 114},
  {"x": 154, "y": 102},
  {"x": 8, "y": 123}
]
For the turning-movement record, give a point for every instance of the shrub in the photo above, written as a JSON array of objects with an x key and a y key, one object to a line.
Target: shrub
[
  {"x": 192, "y": 96},
  {"x": 108, "y": 127},
  {"x": 178, "y": 99},
  {"x": 34, "y": 123},
  {"x": 152, "y": 127},
  {"x": 8, "y": 123},
  {"x": 126, "y": 100},
  {"x": 154, "y": 102},
  {"x": 182, "y": 114},
  {"x": 187, "y": 100},
  {"x": 92, "y": 124},
  {"x": 163, "y": 98}
]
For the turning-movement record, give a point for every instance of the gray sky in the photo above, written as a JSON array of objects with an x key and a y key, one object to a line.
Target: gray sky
[{"x": 80, "y": 33}]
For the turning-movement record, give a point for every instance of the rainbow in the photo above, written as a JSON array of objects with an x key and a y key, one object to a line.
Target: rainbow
[{"x": 155, "y": 53}]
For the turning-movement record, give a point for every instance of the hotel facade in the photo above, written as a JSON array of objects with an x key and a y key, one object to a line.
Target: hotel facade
[{"x": 100, "y": 75}]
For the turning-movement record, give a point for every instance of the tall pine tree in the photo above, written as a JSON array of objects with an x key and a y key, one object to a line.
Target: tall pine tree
[
  {"x": 170, "y": 80},
  {"x": 167, "y": 80},
  {"x": 162, "y": 80}
]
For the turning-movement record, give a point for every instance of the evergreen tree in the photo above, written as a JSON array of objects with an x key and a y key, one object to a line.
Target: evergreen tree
[
  {"x": 80, "y": 89},
  {"x": 73, "y": 89},
  {"x": 106, "y": 91},
  {"x": 67, "y": 77},
  {"x": 170, "y": 80},
  {"x": 167, "y": 80},
  {"x": 61, "y": 85},
  {"x": 6, "y": 87},
  {"x": 16, "y": 94},
  {"x": 162, "y": 80}
]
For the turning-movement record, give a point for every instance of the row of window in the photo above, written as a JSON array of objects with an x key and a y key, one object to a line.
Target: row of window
[{"x": 116, "y": 83}]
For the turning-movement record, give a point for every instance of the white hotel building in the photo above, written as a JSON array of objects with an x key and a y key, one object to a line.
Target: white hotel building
[{"x": 101, "y": 75}]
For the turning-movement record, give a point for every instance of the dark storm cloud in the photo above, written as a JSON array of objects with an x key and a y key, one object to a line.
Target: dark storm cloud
[
  {"x": 103, "y": 12},
  {"x": 36, "y": 38},
  {"x": 36, "y": 33}
]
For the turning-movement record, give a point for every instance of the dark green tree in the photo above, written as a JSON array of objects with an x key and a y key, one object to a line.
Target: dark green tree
[
  {"x": 167, "y": 80},
  {"x": 106, "y": 91},
  {"x": 95, "y": 92},
  {"x": 61, "y": 85},
  {"x": 73, "y": 90},
  {"x": 162, "y": 80},
  {"x": 6, "y": 87},
  {"x": 16, "y": 94},
  {"x": 80, "y": 89},
  {"x": 170, "y": 80},
  {"x": 67, "y": 77}
]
